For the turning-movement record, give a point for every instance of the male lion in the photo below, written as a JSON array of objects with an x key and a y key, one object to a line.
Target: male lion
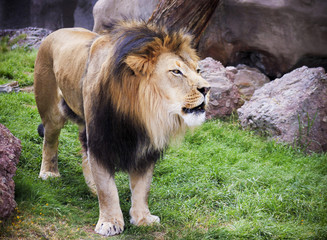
[{"x": 130, "y": 91}]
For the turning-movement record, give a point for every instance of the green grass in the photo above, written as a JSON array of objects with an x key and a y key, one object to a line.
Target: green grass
[
  {"x": 17, "y": 65},
  {"x": 220, "y": 183}
]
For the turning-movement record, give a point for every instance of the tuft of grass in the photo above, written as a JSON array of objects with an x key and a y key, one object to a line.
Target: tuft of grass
[{"x": 220, "y": 183}]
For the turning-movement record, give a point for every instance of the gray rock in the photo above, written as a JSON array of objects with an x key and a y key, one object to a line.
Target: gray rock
[
  {"x": 9, "y": 87},
  {"x": 32, "y": 36},
  {"x": 105, "y": 11},
  {"x": 292, "y": 109},
  {"x": 10, "y": 149}
]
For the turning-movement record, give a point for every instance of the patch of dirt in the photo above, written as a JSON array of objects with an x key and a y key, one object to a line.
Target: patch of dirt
[{"x": 28, "y": 89}]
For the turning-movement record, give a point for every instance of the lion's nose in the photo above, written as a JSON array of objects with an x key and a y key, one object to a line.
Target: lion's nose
[{"x": 204, "y": 90}]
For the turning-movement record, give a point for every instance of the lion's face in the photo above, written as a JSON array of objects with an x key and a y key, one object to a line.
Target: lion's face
[{"x": 185, "y": 91}]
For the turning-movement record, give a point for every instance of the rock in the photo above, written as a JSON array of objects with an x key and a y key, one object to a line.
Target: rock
[
  {"x": 248, "y": 80},
  {"x": 30, "y": 37},
  {"x": 230, "y": 86},
  {"x": 292, "y": 109},
  {"x": 9, "y": 87},
  {"x": 225, "y": 97},
  {"x": 105, "y": 11},
  {"x": 273, "y": 36},
  {"x": 10, "y": 149}
]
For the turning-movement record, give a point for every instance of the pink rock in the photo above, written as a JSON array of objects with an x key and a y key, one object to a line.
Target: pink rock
[
  {"x": 229, "y": 86},
  {"x": 10, "y": 148},
  {"x": 291, "y": 109}
]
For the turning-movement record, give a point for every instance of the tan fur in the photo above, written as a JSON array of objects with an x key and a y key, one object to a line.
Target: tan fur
[{"x": 76, "y": 65}]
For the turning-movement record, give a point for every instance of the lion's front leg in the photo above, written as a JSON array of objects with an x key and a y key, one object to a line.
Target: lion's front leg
[
  {"x": 111, "y": 221},
  {"x": 140, "y": 187}
]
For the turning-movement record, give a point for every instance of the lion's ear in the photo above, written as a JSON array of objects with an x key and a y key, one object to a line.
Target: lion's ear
[{"x": 140, "y": 64}]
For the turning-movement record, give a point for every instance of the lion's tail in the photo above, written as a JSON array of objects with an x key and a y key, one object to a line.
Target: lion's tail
[{"x": 40, "y": 130}]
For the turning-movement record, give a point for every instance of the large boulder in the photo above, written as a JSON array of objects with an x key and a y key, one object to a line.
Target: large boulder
[
  {"x": 291, "y": 109},
  {"x": 230, "y": 86},
  {"x": 10, "y": 148},
  {"x": 105, "y": 11},
  {"x": 274, "y": 36}
]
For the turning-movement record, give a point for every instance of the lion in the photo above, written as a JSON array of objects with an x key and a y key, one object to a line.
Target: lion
[{"x": 130, "y": 91}]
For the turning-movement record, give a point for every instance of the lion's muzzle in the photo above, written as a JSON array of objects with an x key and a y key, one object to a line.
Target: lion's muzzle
[{"x": 196, "y": 102}]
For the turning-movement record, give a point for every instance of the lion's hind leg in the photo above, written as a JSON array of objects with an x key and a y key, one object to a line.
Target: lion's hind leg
[
  {"x": 48, "y": 99},
  {"x": 140, "y": 186},
  {"x": 49, "y": 166}
]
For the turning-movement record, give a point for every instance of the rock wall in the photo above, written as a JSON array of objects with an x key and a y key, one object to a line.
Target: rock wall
[{"x": 50, "y": 14}]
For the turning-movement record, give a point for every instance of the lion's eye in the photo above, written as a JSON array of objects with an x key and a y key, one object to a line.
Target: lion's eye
[
  {"x": 198, "y": 70},
  {"x": 176, "y": 72}
]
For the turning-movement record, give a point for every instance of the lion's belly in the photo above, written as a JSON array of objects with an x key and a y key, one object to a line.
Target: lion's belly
[{"x": 74, "y": 101}]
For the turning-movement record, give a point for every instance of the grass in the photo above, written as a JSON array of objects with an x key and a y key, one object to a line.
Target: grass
[
  {"x": 220, "y": 183},
  {"x": 17, "y": 65}
]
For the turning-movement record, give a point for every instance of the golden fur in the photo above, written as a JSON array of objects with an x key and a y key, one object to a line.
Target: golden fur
[{"x": 130, "y": 91}]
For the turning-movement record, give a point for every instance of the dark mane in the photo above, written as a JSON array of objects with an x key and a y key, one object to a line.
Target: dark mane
[
  {"x": 136, "y": 39},
  {"x": 131, "y": 42},
  {"x": 116, "y": 140}
]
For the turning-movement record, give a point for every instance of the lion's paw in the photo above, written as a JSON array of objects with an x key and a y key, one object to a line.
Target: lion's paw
[
  {"x": 109, "y": 229},
  {"x": 146, "y": 220},
  {"x": 46, "y": 175}
]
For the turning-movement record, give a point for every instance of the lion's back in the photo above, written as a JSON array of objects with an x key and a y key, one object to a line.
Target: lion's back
[
  {"x": 66, "y": 44},
  {"x": 60, "y": 64}
]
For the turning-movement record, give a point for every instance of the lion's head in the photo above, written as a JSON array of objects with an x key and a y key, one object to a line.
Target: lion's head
[
  {"x": 185, "y": 91},
  {"x": 155, "y": 79}
]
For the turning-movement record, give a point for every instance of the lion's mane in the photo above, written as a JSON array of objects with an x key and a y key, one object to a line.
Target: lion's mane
[{"x": 131, "y": 124}]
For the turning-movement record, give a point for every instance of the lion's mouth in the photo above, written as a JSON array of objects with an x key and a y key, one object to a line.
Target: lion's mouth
[{"x": 196, "y": 110}]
